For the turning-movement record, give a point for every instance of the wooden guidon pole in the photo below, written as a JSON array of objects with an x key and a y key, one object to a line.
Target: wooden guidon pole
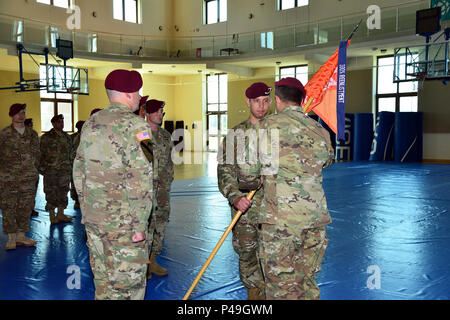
[{"x": 217, "y": 247}]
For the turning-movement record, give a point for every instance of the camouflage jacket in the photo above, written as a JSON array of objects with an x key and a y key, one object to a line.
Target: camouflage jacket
[
  {"x": 19, "y": 154},
  {"x": 56, "y": 152},
  {"x": 163, "y": 146},
  {"x": 227, "y": 169},
  {"x": 111, "y": 172},
  {"x": 293, "y": 193}
]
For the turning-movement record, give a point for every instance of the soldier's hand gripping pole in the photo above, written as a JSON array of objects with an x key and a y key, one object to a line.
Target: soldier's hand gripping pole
[{"x": 217, "y": 247}]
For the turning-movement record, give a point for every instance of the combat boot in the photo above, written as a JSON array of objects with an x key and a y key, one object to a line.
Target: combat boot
[
  {"x": 155, "y": 268},
  {"x": 61, "y": 217},
  {"x": 11, "y": 244},
  {"x": 22, "y": 240},
  {"x": 51, "y": 214}
]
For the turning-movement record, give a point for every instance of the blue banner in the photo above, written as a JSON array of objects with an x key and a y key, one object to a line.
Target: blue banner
[{"x": 341, "y": 83}]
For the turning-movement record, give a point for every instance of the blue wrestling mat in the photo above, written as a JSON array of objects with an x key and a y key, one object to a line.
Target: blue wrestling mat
[{"x": 390, "y": 239}]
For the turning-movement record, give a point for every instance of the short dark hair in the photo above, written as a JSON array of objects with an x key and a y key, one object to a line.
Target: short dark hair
[{"x": 287, "y": 93}]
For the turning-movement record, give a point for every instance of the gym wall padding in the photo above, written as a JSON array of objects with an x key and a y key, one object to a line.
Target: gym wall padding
[
  {"x": 363, "y": 136},
  {"x": 344, "y": 148},
  {"x": 383, "y": 139},
  {"x": 408, "y": 137}
]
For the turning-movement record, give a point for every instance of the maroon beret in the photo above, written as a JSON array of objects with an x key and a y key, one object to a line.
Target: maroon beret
[
  {"x": 153, "y": 105},
  {"x": 124, "y": 81},
  {"x": 291, "y": 82},
  {"x": 143, "y": 99},
  {"x": 16, "y": 108},
  {"x": 57, "y": 117},
  {"x": 257, "y": 89}
]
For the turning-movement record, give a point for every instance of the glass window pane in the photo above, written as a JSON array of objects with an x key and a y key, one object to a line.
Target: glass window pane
[
  {"x": 386, "y": 104},
  {"x": 408, "y": 104},
  {"x": 47, "y": 113},
  {"x": 43, "y": 1},
  {"x": 213, "y": 143},
  {"x": 223, "y": 124},
  {"x": 301, "y": 3},
  {"x": 223, "y": 88},
  {"x": 67, "y": 96},
  {"x": 287, "y": 4},
  {"x": 213, "y": 124},
  {"x": 302, "y": 74},
  {"x": 263, "y": 39},
  {"x": 223, "y": 10},
  {"x": 270, "y": 40},
  {"x": 385, "y": 76},
  {"x": 130, "y": 10},
  {"x": 211, "y": 12},
  {"x": 65, "y": 108},
  {"x": 212, "y": 93},
  {"x": 212, "y": 107},
  {"x": 287, "y": 72},
  {"x": 61, "y": 3},
  {"x": 118, "y": 9},
  {"x": 410, "y": 86}
]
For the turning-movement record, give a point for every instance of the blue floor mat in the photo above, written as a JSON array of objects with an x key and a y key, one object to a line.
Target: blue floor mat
[{"x": 390, "y": 239}]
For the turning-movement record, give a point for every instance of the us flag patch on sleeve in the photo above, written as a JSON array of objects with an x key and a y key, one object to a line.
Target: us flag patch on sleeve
[{"x": 143, "y": 135}]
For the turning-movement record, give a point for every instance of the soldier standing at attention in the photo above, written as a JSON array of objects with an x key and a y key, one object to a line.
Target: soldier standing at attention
[
  {"x": 56, "y": 167},
  {"x": 245, "y": 232},
  {"x": 19, "y": 158},
  {"x": 75, "y": 143},
  {"x": 294, "y": 212},
  {"x": 111, "y": 175},
  {"x": 162, "y": 181}
]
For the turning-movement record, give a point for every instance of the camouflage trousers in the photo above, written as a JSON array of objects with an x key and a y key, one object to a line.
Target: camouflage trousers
[
  {"x": 119, "y": 265},
  {"x": 245, "y": 243},
  {"x": 290, "y": 262},
  {"x": 17, "y": 201},
  {"x": 56, "y": 188},
  {"x": 158, "y": 223}
]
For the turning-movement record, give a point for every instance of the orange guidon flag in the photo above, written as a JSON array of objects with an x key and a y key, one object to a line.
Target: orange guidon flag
[{"x": 321, "y": 92}]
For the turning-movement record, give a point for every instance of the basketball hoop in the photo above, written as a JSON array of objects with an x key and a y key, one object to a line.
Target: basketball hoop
[
  {"x": 420, "y": 77},
  {"x": 73, "y": 90}
]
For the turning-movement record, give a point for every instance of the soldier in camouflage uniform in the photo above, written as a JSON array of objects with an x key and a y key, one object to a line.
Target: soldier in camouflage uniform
[
  {"x": 162, "y": 181},
  {"x": 294, "y": 211},
  {"x": 75, "y": 143},
  {"x": 56, "y": 167},
  {"x": 245, "y": 233},
  {"x": 19, "y": 158},
  {"x": 111, "y": 175}
]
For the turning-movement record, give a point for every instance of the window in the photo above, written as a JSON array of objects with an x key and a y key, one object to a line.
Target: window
[
  {"x": 289, "y": 4},
  {"x": 53, "y": 36},
  {"x": 267, "y": 40},
  {"x": 93, "y": 42},
  {"x": 55, "y": 103},
  {"x": 126, "y": 10},
  {"x": 56, "y": 3},
  {"x": 216, "y": 109},
  {"x": 18, "y": 31},
  {"x": 393, "y": 96},
  {"x": 299, "y": 72},
  {"x": 215, "y": 11}
]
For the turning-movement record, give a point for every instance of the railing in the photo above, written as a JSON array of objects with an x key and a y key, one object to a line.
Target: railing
[{"x": 393, "y": 20}]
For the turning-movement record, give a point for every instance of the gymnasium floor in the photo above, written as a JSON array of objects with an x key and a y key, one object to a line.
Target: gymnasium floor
[{"x": 390, "y": 239}]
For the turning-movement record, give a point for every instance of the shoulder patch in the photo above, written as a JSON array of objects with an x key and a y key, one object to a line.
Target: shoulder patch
[{"x": 143, "y": 135}]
